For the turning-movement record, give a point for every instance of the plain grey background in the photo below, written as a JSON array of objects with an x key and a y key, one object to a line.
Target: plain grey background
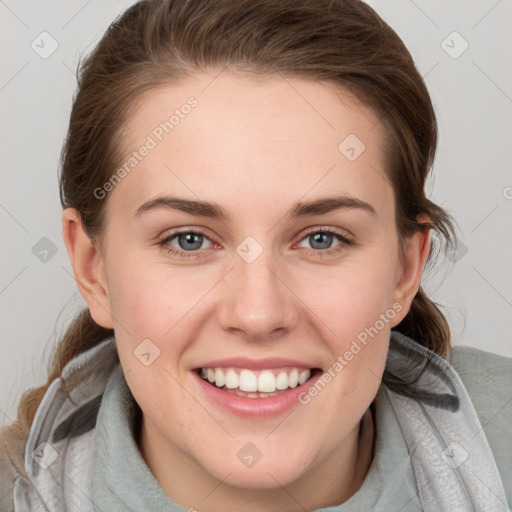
[{"x": 461, "y": 48}]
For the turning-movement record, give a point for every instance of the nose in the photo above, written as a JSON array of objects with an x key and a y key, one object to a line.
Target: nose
[{"x": 257, "y": 300}]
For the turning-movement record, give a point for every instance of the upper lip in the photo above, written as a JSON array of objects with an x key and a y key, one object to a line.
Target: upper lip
[{"x": 253, "y": 364}]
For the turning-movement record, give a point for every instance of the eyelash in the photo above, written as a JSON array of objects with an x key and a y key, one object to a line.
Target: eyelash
[{"x": 188, "y": 254}]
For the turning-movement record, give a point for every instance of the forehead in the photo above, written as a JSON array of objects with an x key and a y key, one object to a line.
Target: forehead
[
  {"x": 240, "y": 105},
  {"x": 227, "y": 133}
]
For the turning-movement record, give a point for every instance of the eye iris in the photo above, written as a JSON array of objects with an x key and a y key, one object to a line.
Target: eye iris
[
  {"x": 319, "y": 237},
  {"x": 189, "y": 239}
]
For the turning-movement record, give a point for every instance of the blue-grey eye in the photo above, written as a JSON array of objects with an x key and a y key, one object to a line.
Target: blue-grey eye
[
  {"x": 320, "y": 240},
  {"x": 189, "y": 241}
]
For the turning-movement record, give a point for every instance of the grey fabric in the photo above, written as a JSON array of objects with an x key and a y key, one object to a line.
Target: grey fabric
[
  {"x": 488, "y": 379},
  {"x": 98, "y": 465},
  {"x": 58, "y": 472},
  {"x": 451, "y": 458},
  {"x": 121, "y": 480}
]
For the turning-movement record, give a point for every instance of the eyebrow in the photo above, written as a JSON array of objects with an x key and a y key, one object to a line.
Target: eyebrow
[{"x": 215, "y": 211}]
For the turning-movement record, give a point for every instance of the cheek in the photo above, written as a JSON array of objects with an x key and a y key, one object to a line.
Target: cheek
[
  {"x": 351, "y": 298},
  {"x": 356, "y": 321},
  {"x": 156, "y": 311},
  {"x": 149, "y": 300},
  {"x": 355, "y": 311}
]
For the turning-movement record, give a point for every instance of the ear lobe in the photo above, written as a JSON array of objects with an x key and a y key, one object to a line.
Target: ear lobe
[
  {"x": 88, "y": 267},
  {"x": 415, "y": 254}
]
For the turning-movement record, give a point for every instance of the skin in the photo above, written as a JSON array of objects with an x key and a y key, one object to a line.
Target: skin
[{"x": 256, "y": 147}]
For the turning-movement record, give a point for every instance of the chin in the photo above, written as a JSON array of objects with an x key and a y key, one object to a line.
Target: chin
[
  {"x": 270, "y": 474},
  {"x": 262, "y": 479}
]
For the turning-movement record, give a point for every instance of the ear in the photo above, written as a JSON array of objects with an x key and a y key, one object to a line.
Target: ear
[
  {"x": 88, "y": 266},
  {"x": 415, "y": 254}
]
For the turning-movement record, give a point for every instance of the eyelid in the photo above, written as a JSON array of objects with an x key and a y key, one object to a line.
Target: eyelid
[
  {"x": 343, "y": 233},
  {"x": 166, "y": 237}
]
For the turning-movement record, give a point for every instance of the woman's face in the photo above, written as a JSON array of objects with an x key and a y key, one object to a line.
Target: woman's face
[{"x": 260, "y": 282}]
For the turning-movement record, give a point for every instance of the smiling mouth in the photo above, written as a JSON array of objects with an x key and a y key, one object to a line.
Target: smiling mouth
[{"x": 266, "y": 384}]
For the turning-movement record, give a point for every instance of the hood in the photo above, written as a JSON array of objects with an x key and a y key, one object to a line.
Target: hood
[
  {"x": 57, "y": 462},
  {"x": 434, "y": 413}
]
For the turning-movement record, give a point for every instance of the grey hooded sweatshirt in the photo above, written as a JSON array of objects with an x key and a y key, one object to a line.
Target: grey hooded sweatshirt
[{"x": 81, "y": 454}]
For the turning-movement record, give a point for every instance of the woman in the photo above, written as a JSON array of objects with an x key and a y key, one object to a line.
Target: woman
[{"x": 288, "y": 359}]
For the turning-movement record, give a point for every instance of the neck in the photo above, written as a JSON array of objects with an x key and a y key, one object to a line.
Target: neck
[{"x": 330, "y": 483}]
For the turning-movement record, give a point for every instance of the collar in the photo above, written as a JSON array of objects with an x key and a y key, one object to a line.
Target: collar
[{"x": 421, "y": 424}]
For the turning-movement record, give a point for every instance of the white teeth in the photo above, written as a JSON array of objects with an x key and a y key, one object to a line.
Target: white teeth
[
  {"x": 248, "y": 381},
  {"x": 219, "y": 378},
  {"x": 282, "y": 381},
  {"x": 293, "y": 378},
  {"x": 304, "y": 376},
  {"x": 266, "y": 382},
  {"x": 231, "y": 379}
]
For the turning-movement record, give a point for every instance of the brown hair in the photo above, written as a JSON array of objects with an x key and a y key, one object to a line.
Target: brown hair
[{"x": 155, "y": 42}]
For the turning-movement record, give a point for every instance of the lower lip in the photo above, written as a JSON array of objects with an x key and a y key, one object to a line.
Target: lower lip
[{"x": 255, "y": 407}]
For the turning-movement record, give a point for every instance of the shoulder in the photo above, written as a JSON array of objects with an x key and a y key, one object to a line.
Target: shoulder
[
  {"x": 486, "y": 376},
  {"x": 12, "y": 455},
  {"x": 488, "y": 380}
]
